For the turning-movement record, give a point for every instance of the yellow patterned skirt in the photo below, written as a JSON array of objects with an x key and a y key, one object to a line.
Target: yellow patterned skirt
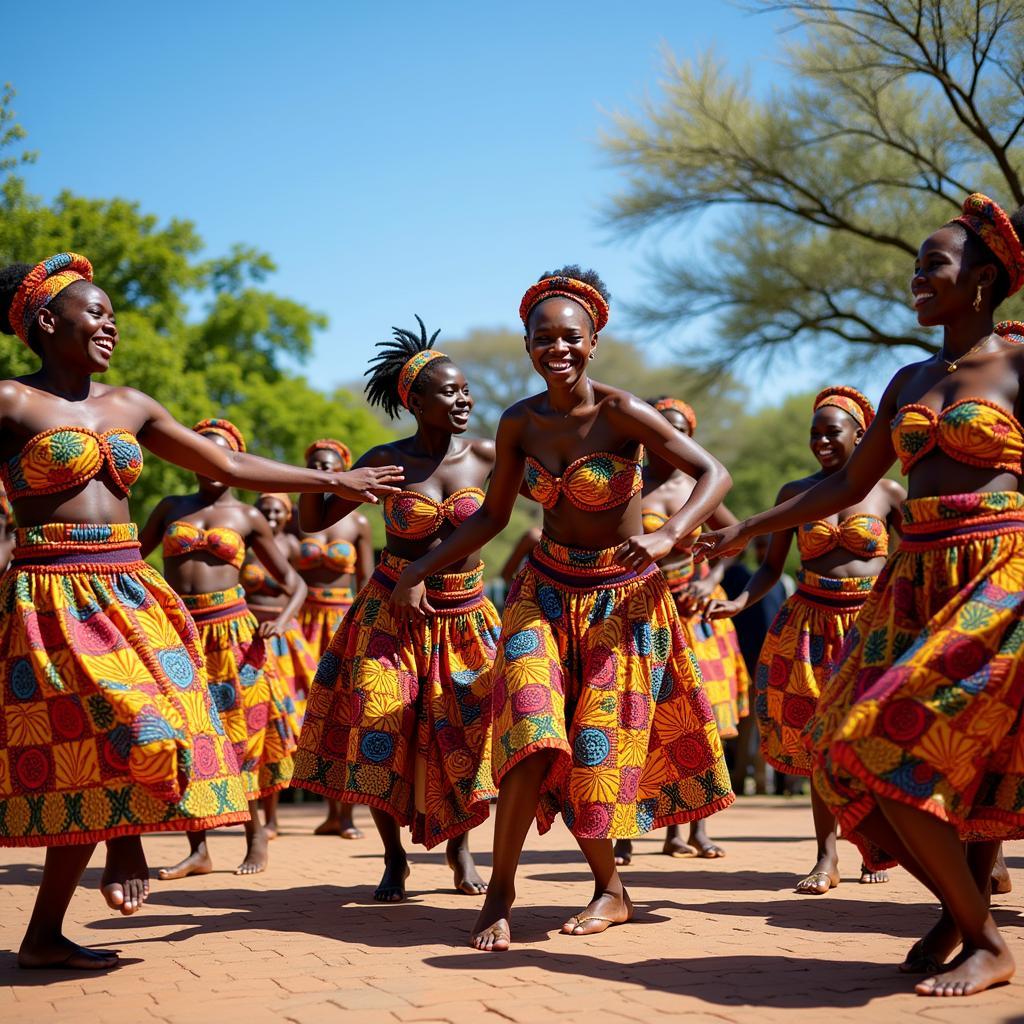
[
  {"x": 292, "y": 658},
  {"x": 926, "y": 706},
  {"x": 403, "y": 722},
  {"x": 800, "y": 652},
  {"x": 593, "y": 666},
  {"x": 716, "y": 646},
  {"x": 254, "y": 703},
  {"x": 321, "y": 616},
  {"x": 106, "y": 725}
]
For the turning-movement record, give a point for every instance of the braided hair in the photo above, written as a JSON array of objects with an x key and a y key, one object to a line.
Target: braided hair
[{"x": 386, "y": 367}]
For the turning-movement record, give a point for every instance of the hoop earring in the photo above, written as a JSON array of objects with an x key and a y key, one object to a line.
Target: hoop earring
[{"x": 977, "y": 300}]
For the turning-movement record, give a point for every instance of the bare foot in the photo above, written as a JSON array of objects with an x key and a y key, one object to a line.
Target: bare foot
[
  {"x": 1001, "y": 883},
  {"x": 972, "y": 971},
  {"x": 196, "y": 863},
  {"x": 348, "y": 830},
  {"x": 600, "y": 914},
  {"x": 392, "y": 883},
  {"x": 125, "y": 880},
  {"x": 869, "y": 877},
  {"x": 467, "y": 878},
  {"x": 328, "y": 827},
  {"x": 63, "y": 954},
  {"x": 623, "y": 851},
  {"x": 823, "y": 877},
  {"x": 256, "y": 853},
  {"x": 492, "y": 931},
  {"x": 928, "y": 955},
  {"x": 270, "y": 830},
  {"x": 702, "y": 842},
  {"x": 675, "y": 847}
]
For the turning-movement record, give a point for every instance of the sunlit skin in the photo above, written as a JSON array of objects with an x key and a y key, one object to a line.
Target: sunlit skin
[
  {"x": 526, "y": 543},
  {"x": 354, "y": 528},
  {"x": 200, "y": 572},
  {"x": 943, "y": 291},
  {"x": 833, "y": 437},
  {"x": 573, "y": 416},
  {"x": 6, "y": 537},
  {"x": 438, "y": 461},
  {"x": 75, "y": 339}
]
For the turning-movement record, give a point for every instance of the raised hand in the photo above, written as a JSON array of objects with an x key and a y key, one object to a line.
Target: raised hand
[
  {"x": 368, "y": 483},
  {"x": 719, "y": 543}
]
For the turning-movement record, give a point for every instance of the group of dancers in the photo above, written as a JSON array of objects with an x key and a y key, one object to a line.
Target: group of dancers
[{"x": 136, "y": 702}]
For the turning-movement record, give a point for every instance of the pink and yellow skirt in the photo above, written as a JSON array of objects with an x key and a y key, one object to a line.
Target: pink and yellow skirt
[
  {"x": 106, "y": 724},
  {"x": 292, "y": 658},
  {"x": 926, "y": 705},
  {"x": 321, "y": 616},
  {"x": 401, "y": 721},
  {"x": 253, "y": 701},
  {"x": 594, "y": 667}
]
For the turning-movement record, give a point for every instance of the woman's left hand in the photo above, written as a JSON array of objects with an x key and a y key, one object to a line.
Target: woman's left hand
[
  {"x": 640, "y": 551},
  {"x": 272, "y": 628},
  {"x": 696, "y": 596},
  {"x": 409, "y": 602}
]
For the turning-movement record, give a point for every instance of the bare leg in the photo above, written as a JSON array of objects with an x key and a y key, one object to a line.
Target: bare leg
[
  {"x": 396, "y": 864},
  {"x": 460, "y": 860},
  {"x": 1001, "y": 883},
  {"x": 338, "y": 821},
  {"x": 610, "y": 904},
  {"x": 825, "y": 873},
  {"x": 255, "y": 843},
  {"x": 623, "y": 851},
  {"x": 198, "y": 861},
  {"x": 270, "y": 827},
  {"x": 44, "y": 944},
  {"x": 517, "y": 806},
  {"x": 674, "y": 845},
  {"x": 125, "y": 881},
  {"x": 701, "y": 841}
]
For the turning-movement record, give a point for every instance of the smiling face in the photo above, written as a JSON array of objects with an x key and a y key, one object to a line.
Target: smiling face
[
  {"x": 834, "y": 435},
  {"x": 275, "y": 512},
  {"x": 79, "y": 330},
  {"x": 443, "y": 401},
  {"x": 944, "y": 286},
  {"x": 560, "y": 340}
]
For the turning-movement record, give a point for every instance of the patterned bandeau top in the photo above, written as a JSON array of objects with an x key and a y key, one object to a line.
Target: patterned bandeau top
[
  {"x": 182, "y": 538},
  {"x": 592, "y": 483},
  {"x": 861, "y": 534},
  {"x": 414, "y": 515},
  {"x": 337, "y": 555},
  {"x": 655, "y": 521},
  {"x": 256, "y": 580},
  {"x": 973, "y": 431},
  {"x": 65, "y": 457}
]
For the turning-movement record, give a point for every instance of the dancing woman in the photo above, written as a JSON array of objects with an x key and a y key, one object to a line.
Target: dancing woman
[
  {"x": 917, "y": 740},
  {"x": 841, "y": 557},
  {"x": 109, "y": 730},
  {"x": 399, "y": 719},
  {"x": 598, "y": 708}
]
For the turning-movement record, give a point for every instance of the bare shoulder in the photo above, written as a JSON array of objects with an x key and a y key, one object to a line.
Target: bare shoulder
[
  {"x": 482, "y": 447},
  {"x": 616, "y": 398},
  {"x": 795, "y": 487},
  {"x": 893, "y": 490},
  {"x": 12, "y": 396}
]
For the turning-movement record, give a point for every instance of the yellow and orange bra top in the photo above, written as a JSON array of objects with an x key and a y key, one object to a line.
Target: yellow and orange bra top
[
  {"x": 973, "y": 431},
  {"x": 182, "y": 538},
  {"x": 860, "y": 534},
  {"x": 655, "y": 521},
  {"x": 414, "y": 515},
  {"x": 256, "y": 580},
  {"x": 592, "y": 483},
  {"x": 65, "y": 457},
  {"x": 337, "y": 555}
]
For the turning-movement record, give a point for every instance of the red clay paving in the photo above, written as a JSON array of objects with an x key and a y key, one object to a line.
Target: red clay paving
[{"x": 713, "y": 941}]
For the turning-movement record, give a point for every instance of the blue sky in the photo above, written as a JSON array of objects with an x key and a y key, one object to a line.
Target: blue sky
[{"x": 392, "y": 157}]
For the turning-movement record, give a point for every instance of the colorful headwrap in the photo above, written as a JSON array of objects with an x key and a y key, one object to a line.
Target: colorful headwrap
[
  {"x": 664, "y": 404},
  {"x": 579, "y": 291},
  {"x": 850, "y": 400},
  {"x": 226, "y": 429},
  {"x": 42, "y": 284},
  {"x": 285, "y": 499},
  {"x": 331, "y": 445},
  {"x": 990, "y": 223},
  {"x": 412, "y": 369}
]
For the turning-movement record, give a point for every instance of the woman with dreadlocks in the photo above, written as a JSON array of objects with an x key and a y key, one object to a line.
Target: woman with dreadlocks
[
  {"x": 399, "y": 719},
  {"x": 599, "y": 712}
]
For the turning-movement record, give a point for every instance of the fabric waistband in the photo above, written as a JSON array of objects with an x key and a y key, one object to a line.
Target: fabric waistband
[
  {"x": 85, "y": 544},
  {"x": 216, "y": 604},
  {"x": 948, "y": 518},
  {"x": 581, "y": 568},
  {"x": 330, "y": 595},
  {"x": 834, "y": 591},
  {"x": 450, "y": 591}
]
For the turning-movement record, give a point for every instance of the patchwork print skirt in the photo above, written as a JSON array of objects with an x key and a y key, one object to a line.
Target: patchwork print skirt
[
  {"x": 321, "y": 615},
  {"x": 292, "y": 658}
]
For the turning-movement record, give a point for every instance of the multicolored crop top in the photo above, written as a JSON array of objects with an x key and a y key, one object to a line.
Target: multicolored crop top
[
  {"x": 973, "y": 431},
  {"x": 256, "y": 580},
  {"x": 414, "y": 515},
  {"x": 592, "y": 483},
  {"x": 336, "y": 555},
  {"x": 860, "y": 534},
  {"x": 655, "y": 521},
  {"x": 182, "y": 538},
  {"x": 65, "y": 457}
]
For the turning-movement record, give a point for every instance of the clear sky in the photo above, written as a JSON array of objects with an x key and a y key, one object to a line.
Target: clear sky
[{"x": 392, "y": 157}]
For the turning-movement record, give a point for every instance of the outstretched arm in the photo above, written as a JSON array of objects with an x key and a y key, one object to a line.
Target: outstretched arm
[{"x": 321, "y": 509}]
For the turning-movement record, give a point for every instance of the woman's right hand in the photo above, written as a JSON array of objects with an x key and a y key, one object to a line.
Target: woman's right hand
[
  {"x": 725, "y": 609},
  {"x": 720, "y": 543},
  {"x": 367, "y": 483}
]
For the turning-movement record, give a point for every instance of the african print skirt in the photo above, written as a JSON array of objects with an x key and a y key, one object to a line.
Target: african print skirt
[
  {"x": 594, "y": 666},
  {"x": 321, "y": 616},
  {"x": 800, "y": 652},
  {"x": 402, "y": 722},
  {"x": 254, "y": 703},
  {"x": 106, "y": 725},
  {"x": 926, "y": 705},
  {"x": 292, "y": 658},
  {"x": 716, "y": 646}
]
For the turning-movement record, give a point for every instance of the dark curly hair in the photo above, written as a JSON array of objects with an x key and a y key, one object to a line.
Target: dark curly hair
[
  {"x": 11, "y": 277},
  {"x": 977, "y": 253},
  {"x": 591, "y": 277},
  {"x": 385, "y": 368}
]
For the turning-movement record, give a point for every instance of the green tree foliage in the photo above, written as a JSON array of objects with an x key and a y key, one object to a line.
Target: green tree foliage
[{"x": 824, "y": 188}]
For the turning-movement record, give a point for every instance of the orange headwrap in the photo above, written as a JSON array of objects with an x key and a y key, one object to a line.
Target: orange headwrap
[
  {"x": 41, "y": 285},
  {"x": 226, "y": 429},
  {"x": 568, "y": 287},
  {"x": 329, "y": 444},
  {"x": 681, "y": 407},
  {"x": 412, "y": 369},
  {"x": 285, "y": 499},
  {"x": 850, "y": 400},
  {"x": 990, "y": 223}
]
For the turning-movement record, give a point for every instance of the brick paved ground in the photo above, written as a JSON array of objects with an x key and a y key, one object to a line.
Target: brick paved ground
[{"x": 713, "y": 941}]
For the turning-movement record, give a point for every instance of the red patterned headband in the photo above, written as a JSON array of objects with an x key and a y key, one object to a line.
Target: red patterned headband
[
  {"x": 226, "y": 429},
  {"x": 990, "y": 223},
  {"x": 329, "y": 444},
  {"x": 44, "y": 282},
  {"x": 681, "y": 407},
  {"x": 850, "y": 400},
  {"x": 412, "y": 369},
  {"x": 285, "y": 499},
  {"x": 568, "y": 287}
]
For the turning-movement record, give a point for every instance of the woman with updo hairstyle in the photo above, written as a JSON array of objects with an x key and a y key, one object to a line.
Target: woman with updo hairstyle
[
  {"x": 599, "y": 712},
  {"x": 840, "y": 559},
  {"x": 917, "y": 743},
  {"x": 110, "y": 730},
  {"x": 399, "y": 718}
]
